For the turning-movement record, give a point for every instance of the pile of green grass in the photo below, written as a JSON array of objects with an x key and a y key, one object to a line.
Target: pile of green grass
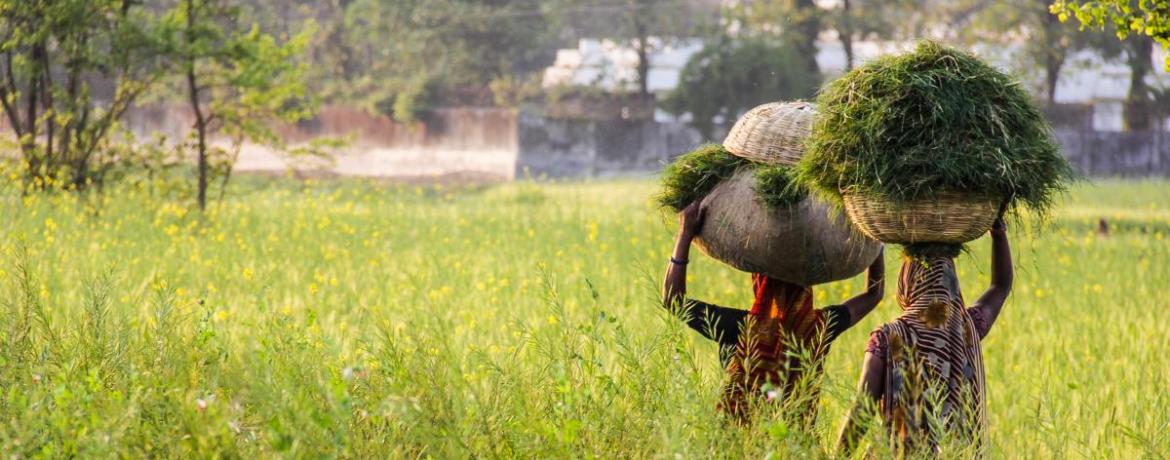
[
  {"x": 776, "y": 185},
  {"x": 692, "y": 176},
  {"x": 909, "y": 126}
]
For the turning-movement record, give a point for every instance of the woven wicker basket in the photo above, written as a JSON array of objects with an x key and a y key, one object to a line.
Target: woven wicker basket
[
  {"x": 772, "y": 133},
  {"x": 949, "y": 218}
]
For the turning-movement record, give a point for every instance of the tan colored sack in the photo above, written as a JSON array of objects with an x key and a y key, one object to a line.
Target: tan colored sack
[{"x": 802, "y": 244}]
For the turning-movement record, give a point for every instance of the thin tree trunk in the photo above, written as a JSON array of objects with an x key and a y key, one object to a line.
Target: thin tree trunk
[
  {"x": 1137, "y": 104},
  {"x": 227, "y": 174},
  {"x": 73, "y": 151},
  {"x": 846, "y": 34},
  {"x": 1052, "y": 66},
  {"x": 28, "y": 141},
  {"x": 49, "y": 109},
  {"x": 78, "y": 117},
  {"x": 807, "y": 27},
  {"x": 7, "y": 90},
  {"x": 1055, "y": 53},
  {"x": 643, "y": 50},
  {"x": 10, "y": 97},
  {"x": 201, "y": 134},
  {"x": 1054, "y": 60},
  {"x": 200, "y": 121}
]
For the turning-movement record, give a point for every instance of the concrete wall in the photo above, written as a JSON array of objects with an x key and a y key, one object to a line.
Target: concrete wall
[
  {"x": 1102, "y": 153},
  {"x": 481, "y": 141},
  {"x": 559, "y": 148},
  {"x": 568, "y": 148},
  {"x": 500, "y": 144}
]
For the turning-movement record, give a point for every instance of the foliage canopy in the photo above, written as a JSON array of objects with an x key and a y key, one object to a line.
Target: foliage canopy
[
  {"x": 404, "y": 57},
  {"x": 1147, "y": 17},
  {"x": 69, "y": 70},
  {"x": 240, "y": 83}
]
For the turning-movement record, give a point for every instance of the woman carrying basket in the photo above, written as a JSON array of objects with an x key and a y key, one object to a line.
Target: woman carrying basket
[
  {"x": 782, "y": 324},
  {"x": 923, "y": 371}
]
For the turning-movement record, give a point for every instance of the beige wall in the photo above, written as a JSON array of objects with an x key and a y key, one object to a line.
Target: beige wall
[{"x": 450, "y": 141}]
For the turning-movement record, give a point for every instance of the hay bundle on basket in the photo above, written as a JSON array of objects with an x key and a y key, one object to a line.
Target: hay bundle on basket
[
  {"x": 692, "y": 176},
  {"x": 772, "y": 133},
  {"x": 760, "y": 221},
  {"x": 923, "y": 146}
]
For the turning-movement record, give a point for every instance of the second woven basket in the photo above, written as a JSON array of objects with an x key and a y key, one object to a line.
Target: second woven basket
[
  {"x": 948, "y": 218},
  {"x": 772, "y": 133}
]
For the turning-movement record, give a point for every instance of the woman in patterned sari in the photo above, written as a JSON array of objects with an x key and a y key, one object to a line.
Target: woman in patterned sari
[
  {"x": 923, "y": 371},
  {"x": 787, "y": 338}
]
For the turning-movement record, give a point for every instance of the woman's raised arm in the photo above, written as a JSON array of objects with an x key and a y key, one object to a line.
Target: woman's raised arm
[
  {"x": 861, "y": 304},
  {"x": 674, "y": 286},
  {"x": 1002, "y": 276}
]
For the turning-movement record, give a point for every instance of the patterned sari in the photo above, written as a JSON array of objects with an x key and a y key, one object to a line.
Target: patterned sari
[
  {"x": 934, "y": 365},
  {"x": 781, "y": 349}
]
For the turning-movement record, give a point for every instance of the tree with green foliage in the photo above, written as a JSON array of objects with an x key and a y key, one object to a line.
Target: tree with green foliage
[
  {"x": 796, "y": 22},
  {"x": 866, "y": 19},
  {"x": 240, "y": 83},
  {"x": 1138, "y": 50},
  {"x": 731, "y": 75},
  {"x": 405, "y": 56},
  {"x": 1150, "y": 18},
  {"x": 1045, "y": 42},
  {"x": 800, "y": 22},
  {"x": 1139, "y": 25},
  {"x": 69, "y": 70}
]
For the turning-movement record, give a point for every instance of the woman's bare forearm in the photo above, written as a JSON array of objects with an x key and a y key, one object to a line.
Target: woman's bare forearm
[
  {"x": 674, "y": 285},
  {"x": 1002, "y": 277},
  {"x": 1002, "y": 272},
  {"x": 674, "y": 288},
  {"x": 859, "y": 306}
]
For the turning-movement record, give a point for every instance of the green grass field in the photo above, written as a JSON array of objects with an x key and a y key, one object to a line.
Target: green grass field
[{"x": 351, "y": 319}]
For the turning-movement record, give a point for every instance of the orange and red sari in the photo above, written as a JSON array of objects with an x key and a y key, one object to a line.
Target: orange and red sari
[{"x": 781, "y": 348}]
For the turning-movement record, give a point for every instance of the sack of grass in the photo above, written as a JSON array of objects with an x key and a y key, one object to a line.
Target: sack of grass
[
  {"x": 758, "y": 221},
  {"x": 924, "y": 147}
]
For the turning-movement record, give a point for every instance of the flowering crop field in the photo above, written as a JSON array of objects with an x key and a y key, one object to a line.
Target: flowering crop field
[{"x": 355, "y": 319}]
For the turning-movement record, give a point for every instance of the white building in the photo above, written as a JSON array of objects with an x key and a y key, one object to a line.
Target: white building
[{"x": 612, "y": 66}]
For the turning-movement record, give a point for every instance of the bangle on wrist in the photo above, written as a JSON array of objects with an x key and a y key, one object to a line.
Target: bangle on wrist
[{"x": 679, "y": 262}]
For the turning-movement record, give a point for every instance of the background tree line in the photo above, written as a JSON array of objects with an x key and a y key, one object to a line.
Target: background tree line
[
  {"x": 403, "y": 56},
  {"x": 70, "y": 69}
]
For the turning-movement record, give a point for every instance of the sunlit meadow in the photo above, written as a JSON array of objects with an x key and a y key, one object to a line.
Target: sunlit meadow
[{"x": 359, "y": 319}]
